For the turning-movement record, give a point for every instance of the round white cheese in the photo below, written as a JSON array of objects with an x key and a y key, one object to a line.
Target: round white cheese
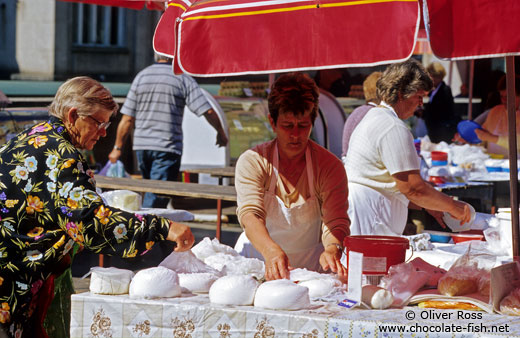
[
  {"x": 282, "y": 294},
  {"x": 197, "y": 282},
  {"x": 156, "y": 282},
  {"x": 110, "y": 281},
  {"x": 233, "y": 290}
]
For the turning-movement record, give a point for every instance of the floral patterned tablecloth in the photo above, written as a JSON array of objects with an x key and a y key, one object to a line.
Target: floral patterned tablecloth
[{"x": 190, "y": 316}]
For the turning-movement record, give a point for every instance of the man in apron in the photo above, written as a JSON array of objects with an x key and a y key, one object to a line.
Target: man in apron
[{"x": 292, "y": 193}]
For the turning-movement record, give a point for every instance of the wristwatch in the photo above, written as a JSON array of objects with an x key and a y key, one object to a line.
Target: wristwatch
[{"x": 117, "y": 148}]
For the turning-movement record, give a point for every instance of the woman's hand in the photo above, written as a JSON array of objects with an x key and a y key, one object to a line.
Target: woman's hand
[
  {"x": 276, "y": 263},
  {"x": 180, "y": 234},
  {"x": 330, "y": 259},
  {"x": 458, "y": 139},
  {"x": 485, "y": 135},
  {"x": 462, "y": 213}
]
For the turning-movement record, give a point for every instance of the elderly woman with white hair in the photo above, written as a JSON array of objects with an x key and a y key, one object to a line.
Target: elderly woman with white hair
[
  {"x": 49, "y": 207},
  {"x": 382, "y": 163}
]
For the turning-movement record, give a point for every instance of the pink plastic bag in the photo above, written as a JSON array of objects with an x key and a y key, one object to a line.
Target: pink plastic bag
[{"x": 403, "y": 281}]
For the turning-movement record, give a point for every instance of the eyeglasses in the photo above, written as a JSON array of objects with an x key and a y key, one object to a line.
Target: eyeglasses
[{"x": 101, "y": 125}]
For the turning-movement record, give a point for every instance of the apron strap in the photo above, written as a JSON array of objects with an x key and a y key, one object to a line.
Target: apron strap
[
  {"x": 275, "y": 160},
  {"x": 310, "y": 171}
]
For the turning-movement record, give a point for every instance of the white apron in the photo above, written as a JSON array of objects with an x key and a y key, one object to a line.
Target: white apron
[
  {"x": 296, "y": 230},
  {"x": 372, "y": 213}
]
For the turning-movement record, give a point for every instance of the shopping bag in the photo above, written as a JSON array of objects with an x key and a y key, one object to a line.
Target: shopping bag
[{"x": 114, "y": 170}]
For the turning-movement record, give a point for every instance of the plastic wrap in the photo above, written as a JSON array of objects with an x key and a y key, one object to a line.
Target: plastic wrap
[
  {"x": 403, "y": 281},
  {"x": 123, "y": 199},
  {"x": 510, "y": 305},
  {"x": 208, "y": 247},
  {"x": 469, "y": 274},
  {"x": 187, "y": 262}
]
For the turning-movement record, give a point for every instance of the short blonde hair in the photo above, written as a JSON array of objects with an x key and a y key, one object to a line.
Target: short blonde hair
[
  {"x": 369, "y": 87},
  {"x": 436, "y": 70},
  {"x": 83, "y": 93}
]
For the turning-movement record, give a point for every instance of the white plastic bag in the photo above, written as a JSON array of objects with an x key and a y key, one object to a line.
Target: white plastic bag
[
  {"x": 123, "y": 199},
  {"x": 186, "y": 262},
  {"x": 114, "y": 170}
]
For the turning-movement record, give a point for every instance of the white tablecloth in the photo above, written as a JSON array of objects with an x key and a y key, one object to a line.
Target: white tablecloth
[{"x": 98, "y": 316}]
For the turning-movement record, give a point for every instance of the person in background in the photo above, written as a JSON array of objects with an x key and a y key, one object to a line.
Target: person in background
[
  {"x": 155, "y": 107},
  {"x": 291, "y": 192},
  {"x": 382, "y": 163},
  {"x": 502, "y": 141},
  {"x": 464, "y": 92},
  {"x": 335, "y": 81},
  {"x": 439, "y": 113},
  {"x": 496, "y": 122},
  {"x": 369, "y": 90},
  {"x": 50, "y": 207}
]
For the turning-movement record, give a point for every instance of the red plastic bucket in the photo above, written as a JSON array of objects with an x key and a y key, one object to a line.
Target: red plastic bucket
[{"x": 379, "y": 252}]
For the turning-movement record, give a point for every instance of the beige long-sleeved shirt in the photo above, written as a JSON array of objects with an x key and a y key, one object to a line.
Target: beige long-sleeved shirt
[{"x": 254, "y": 171}]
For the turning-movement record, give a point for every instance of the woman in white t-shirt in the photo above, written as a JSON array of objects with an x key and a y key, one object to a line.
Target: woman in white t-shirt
[{"x": 382, "y": 164}]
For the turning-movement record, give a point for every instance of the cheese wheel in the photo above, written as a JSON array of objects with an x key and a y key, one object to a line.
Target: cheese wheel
[
  {"x": 197, "y": 282},
  {"x": 233, "y": 290},
  {"x": 159, "y": 282},
  {"x": 110, "y": 281},
  {"x": 282, "y": 294}
]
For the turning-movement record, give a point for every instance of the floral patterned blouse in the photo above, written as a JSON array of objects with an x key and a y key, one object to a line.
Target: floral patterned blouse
[{"x": 48, "y": 202}]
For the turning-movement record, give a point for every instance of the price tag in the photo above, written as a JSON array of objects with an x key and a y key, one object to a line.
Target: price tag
[{"x": 355, "y": 275}]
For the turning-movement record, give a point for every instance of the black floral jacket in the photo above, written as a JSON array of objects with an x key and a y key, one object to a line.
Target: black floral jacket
[{"x": 48, "y": 204}]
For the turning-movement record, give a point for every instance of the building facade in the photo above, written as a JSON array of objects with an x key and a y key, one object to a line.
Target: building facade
[{"x": 55, "y": 40}]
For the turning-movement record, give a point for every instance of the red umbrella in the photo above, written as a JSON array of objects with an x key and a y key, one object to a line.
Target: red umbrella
[
  {"x": 234, "y": 37},
  {"x": 480, "y": 29},
  {"x": 133, "y": 4}
]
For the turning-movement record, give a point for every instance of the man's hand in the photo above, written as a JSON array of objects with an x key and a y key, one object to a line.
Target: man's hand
[
  {"x": 222, "y": 139},
  {"x": 114, "y": 155},
  {"x": 276, "y": 263},
  {"x": 330, "y": 260},
  {"x": 180, "y": 234}
]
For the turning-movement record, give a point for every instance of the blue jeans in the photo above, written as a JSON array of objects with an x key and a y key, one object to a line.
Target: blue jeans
[{"x": 158, "y": 165}]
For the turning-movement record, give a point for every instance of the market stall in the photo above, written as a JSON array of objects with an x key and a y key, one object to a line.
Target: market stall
[
  {"x": 193, "y": 316},
  {"x": 135, "y": 313}
]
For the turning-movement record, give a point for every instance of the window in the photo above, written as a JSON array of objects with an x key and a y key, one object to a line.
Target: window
[
  {"x": 99, "y": 26},
  {"x": 3, "y": 25}
]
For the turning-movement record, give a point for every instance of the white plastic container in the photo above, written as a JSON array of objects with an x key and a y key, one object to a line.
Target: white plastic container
[{"x": 506, "y": 228}]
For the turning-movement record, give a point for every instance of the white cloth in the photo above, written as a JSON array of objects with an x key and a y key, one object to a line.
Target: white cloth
[
  {"x": 375, "y": 213},
  {"x": 381, "y": 145},
  {"x": 296, "y": 229}
]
